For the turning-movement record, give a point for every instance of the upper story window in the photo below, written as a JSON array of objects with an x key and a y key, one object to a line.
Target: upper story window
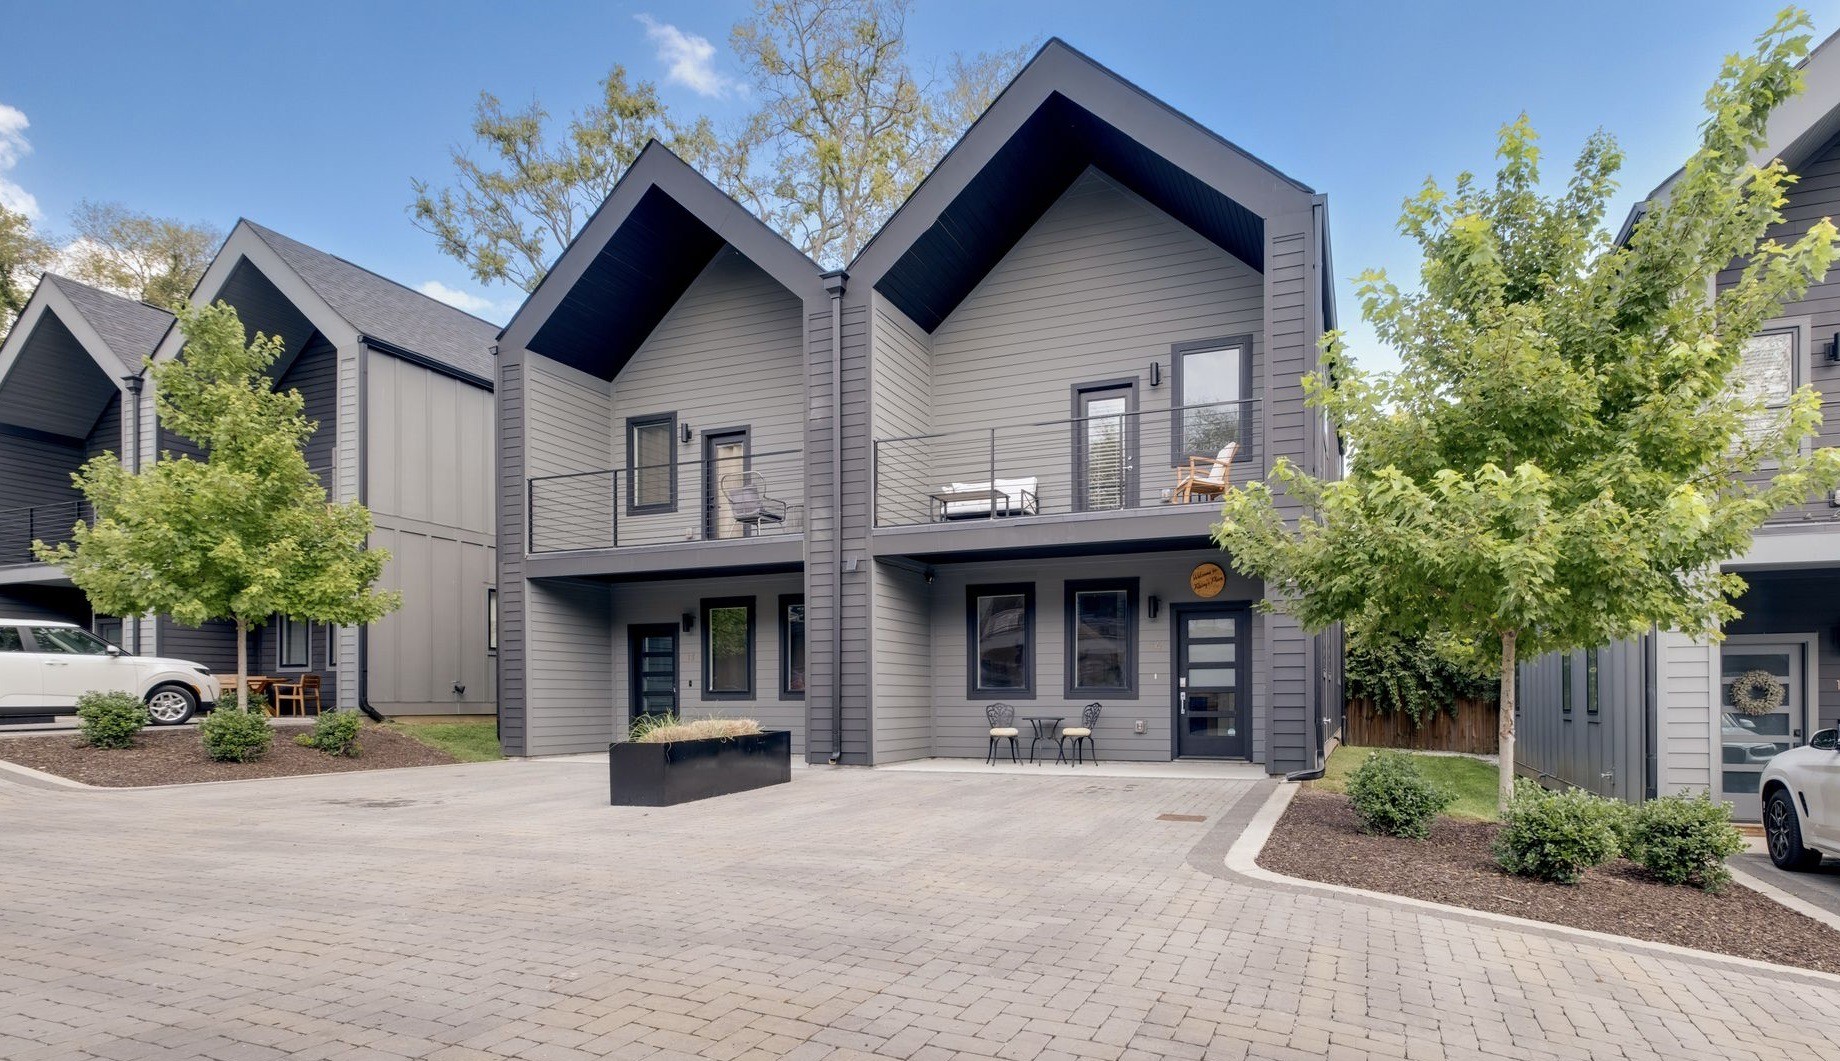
[
  {"x": 1211, "y": 385},
  {"x": 651, "y": 458},
  {"x": 1767, "y": 371}
]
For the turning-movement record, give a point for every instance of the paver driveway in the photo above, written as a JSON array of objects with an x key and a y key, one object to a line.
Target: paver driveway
[{"x": 500, "y": 910}]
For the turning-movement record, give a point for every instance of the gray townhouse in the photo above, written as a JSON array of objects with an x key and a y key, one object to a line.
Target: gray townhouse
[
  {"x": 1664, "y": 713},
  {"x": 971, "y": 469},
  {"x": 401, "y": 388}
]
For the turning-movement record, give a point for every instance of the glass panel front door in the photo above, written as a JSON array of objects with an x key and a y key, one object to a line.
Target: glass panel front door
[
  {"x": 1762, "y": 713},
  {"x": 1212, "y": 716},
  {"x": 1104, "y": 450},
  {"x": 654, "y": 670}
]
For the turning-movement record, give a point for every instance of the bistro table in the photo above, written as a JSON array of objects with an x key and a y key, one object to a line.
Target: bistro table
[{"x": 1045, "y": 727}]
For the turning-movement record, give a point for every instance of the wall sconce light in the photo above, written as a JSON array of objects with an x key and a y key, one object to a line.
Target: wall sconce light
[
  {"x": 689, "y": 621},
  {"x": 928, "y": 575},
  {"x": 1156, "y": 605},
  {"x": 1156, "y": 373},
  {"x": 683, "y": 431}
]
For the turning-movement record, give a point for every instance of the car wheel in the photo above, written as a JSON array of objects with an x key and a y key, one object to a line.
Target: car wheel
[
  {"x": 171, "y": 704},
  {"x": 1784, "y": 832}
]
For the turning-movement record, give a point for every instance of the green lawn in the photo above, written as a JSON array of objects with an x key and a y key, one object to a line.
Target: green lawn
[
  {"x": 1473, "y": 780},
  {"x": 471, "y": 741}
]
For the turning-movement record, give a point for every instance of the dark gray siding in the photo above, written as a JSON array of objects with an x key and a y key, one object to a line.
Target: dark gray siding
[
  {"x": 213, "y": 645},
  {"x": 820, "y": 569},
  {"x": 508, "y": 462},
  {"x": 315, "y": 374},
  {"x": 903, "y": 646},
  {"x": 35, "y": 471},
  {"x": 1604, "y": 752},
  {"x": 265, "y": 658},
  {"x": 105, "y": 437},
  {"x": 570, "y": 678},
  {"x": 54, "y": 603}
]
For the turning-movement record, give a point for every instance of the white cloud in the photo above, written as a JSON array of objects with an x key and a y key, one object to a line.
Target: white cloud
[
  {"x": 690, "y": 59},
  {"x": 477, "y": 305},
  {"x": 13, "y": 147}
]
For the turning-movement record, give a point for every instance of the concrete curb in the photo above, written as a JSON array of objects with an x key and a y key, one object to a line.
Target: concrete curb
[
  {"x": 31, "y": 778},
  {"x": 1242, "y": 860},
  {"x": 1783, "y": 898}
]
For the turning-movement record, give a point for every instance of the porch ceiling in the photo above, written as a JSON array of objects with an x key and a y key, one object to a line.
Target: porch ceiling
[{"x": 55, "y": 387}]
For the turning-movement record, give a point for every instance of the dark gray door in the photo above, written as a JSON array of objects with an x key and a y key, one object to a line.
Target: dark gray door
[
  {"x": 1211, "y": 716},
  {"x": 1104, "y": 448},
  {"x": 725, "y": 458},
  {"x": 654, "y": 669}
]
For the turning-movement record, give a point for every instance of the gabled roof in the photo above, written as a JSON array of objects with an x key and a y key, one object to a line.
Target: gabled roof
[
  {"x": 129, "y": 328},
  {"x": 1797, "y": 130},
  {"x": 1063, "y": 113},
  {"x": 382, "y": 309},
  {"x": 662, "y": 224}
]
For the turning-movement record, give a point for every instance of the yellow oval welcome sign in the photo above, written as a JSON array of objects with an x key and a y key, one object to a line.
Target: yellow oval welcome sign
[{"x": 1207, "y": 580}]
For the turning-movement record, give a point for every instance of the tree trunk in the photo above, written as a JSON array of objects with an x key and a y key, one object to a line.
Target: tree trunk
[
  {"x": 1505, "y": 789},
  {"x": 242, "y": 665}
]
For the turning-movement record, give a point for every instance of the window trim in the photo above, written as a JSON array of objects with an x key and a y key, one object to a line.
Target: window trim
[
  {"x": 282, "y": 622},
  {"x": 1026, "y": 590},
  {"x": 1565, "y": 684},
  {"x": 712, "y": 484},
  {"x": 492, "y": 620},
  {"x": 1177, "y": 400},
  {"x": 786, "y": 601},
  {"x": 669, "y": 420},
  {"x": 1070, "y": 635},
  {"x": 1081, "y": 439},
  {"x": 1801, "y": 366},
  {"x": 1593, "y": 692},
  {"x": 708, "y": 604}
]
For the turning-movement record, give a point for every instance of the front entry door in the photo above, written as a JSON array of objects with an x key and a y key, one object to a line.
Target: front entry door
[
  {"x": 654, "y": 670},
  {"x": 1211, "y": 696},
  {"x": 1752, "y": 730}
]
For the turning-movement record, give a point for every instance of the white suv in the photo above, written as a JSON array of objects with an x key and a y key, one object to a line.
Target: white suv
[
  {"x": 45, "y": 666},
  {"x": 1801, "y": 802}
]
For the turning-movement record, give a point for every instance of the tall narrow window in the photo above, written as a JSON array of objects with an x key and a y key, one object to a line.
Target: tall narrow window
[
  {"x": 792, "y": 647},
  {"x": 1767, "y": 374},
  {"x": 293, "y": 639},
  {"x": 491, "y": 619},
  {"x": 1591, "y": 694},
  {"x": 1101, "y": 625},
  {"x": 651, "y": 463},
  {"x": 1000, "y": 642},
  {"x": 1210, "y": 394},
  {"x": 728, "y": 648},
  {"x": 1565, "y": 683}
]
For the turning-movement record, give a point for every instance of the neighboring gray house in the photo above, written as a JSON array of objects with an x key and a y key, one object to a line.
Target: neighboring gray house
[
  {"x": 1656, "y": 715},
  {"x": 975, "y": 431},
  {"x": 68, "y": 368},
  {"x": 401, "y": 387}
]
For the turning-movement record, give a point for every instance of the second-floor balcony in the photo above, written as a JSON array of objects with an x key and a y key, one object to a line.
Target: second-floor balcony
[
  {"x": 51, "y": 524},
  {"x": 730, "y": 495},
  {"x": 1114, "y": 459}
]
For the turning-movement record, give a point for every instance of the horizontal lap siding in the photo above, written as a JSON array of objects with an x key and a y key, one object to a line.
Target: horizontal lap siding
[
  {"x": 565, "y": 429},
  {"x": 569, "y": 681},
  {"x": 667, "y": 603},
  {"x": 825, "y": 526},
  {"x": 903, "y": 672},
  {"x": 1686, "y": 698},
  {"x": 1290, "y": 740},
  {"x": 509, "y": 398}
]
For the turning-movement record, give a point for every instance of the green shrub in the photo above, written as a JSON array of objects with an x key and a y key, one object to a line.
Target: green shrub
[
  {"x": 1556, "y": 836},
  {"x": 334, "y": 732},
  {"x": 1393, "y": 797},
  {"x": 1417, "y": 677},
  {"x": 110, "y": 720},
  {"x": 1683, "y": 840},
  {"x": 232, "y": 736}
]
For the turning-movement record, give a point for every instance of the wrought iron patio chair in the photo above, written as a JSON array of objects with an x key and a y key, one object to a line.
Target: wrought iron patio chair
[
  {"x": 1002, "y": 719},
  {"x": 1089, "y": 721}
]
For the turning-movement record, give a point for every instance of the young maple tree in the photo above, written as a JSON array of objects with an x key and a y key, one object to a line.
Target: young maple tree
[
  {"x": 243, "y": 534},
  {"x": 1568, "y": 450}
]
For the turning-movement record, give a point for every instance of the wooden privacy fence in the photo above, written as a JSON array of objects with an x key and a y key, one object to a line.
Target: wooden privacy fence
[{"x": 1472, "y": 729}]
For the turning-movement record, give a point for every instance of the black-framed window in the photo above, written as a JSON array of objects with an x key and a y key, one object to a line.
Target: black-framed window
[
  {"x": 651, "y": 463},
  {"x": 293, "y": 643},
  {"x": 728, "y": 648},
  {"x": 1000, "y": 641},
  {"x": 1565, "y": 683},
  {"x": 1592, "y": 695},
  {"x": 491, "y": 618},
  {"x": 792, "y": 646},
  {"x": 1213, "y": 380},
  {"x": 1769, "y": 369},
  {"x": 1100, "y": 620}
]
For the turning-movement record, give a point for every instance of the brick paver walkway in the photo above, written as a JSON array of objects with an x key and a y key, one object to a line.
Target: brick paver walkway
[{"x": 500, "y": 910}]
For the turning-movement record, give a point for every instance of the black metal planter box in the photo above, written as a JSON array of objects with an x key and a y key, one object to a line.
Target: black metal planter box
[{"x": 662, "y": 775}]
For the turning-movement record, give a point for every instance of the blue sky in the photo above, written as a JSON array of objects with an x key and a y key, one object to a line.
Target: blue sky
[{"x": 312, "y": 118}]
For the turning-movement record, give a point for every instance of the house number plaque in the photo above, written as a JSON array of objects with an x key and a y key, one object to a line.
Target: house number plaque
[{"x": 1207, "y": 580}]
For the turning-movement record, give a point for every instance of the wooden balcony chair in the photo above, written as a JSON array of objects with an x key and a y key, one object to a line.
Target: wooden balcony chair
[
  {"x": 294, "y": 695},
  {"x": 1205, "y": 477}
]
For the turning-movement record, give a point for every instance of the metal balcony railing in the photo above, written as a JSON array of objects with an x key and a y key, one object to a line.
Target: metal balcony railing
[
  {"x": 1056, "y": 467},
  {"x": 51, "y": 524},
  {"x": 757, "y": 495}
]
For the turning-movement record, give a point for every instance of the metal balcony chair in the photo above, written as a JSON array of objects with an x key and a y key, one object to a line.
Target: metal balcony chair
[
  {"x": 1089, "y": 721},
  {"x": 750, "y": 501},
  {"x": 1002, "y": 719}
]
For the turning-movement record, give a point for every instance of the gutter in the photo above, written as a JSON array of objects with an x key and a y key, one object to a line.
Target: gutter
[
  {"x": 834, "y": 282},
  {"x": 364, "y": 631}
]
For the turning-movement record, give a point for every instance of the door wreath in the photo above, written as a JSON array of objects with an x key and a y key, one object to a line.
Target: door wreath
[{"x": 1757, "y": 692}]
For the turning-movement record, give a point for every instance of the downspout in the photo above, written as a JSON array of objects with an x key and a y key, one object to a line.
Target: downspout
[
  {"x": 364, "y": 631},
  {"x": 133, "y": 383},
  {"x": 834, "y": 283}
]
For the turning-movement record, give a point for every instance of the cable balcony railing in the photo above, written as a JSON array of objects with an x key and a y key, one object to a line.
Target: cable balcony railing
[
  {"x": 1104, "y": 461},
  {"x": 20, "y": 527},
  {"x": 717, "y": 499}
]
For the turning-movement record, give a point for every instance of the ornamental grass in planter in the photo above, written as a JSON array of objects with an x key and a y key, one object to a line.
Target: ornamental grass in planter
[{"x": 668, "y": 760}]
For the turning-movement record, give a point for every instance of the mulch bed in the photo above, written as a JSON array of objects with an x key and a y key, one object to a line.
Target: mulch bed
[
  {"x": 176, "y": 756},
  {"x": 1320, "y": 839}
]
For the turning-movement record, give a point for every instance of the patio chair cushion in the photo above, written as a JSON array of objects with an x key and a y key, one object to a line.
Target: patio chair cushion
[
  {"x": 1076, "y": 731},
  {"x": 1218, "y": 472},
  {"x": 1005, "y": 731}
]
